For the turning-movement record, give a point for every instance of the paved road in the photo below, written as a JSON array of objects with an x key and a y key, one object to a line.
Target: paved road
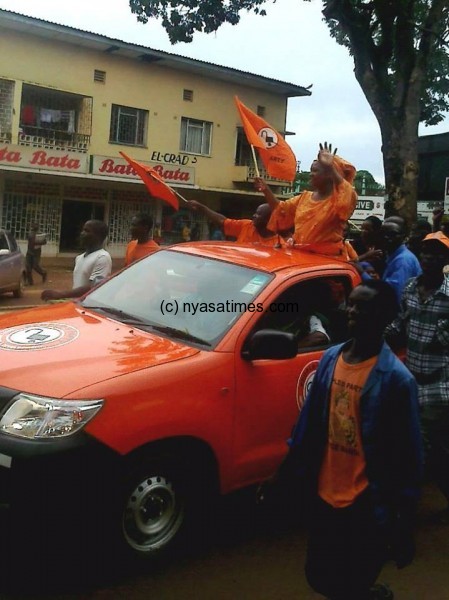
[
  {"x": 57, "y": 279},
  {"x": 258, "y": 556},
  {"x": 252, "y": 555}
]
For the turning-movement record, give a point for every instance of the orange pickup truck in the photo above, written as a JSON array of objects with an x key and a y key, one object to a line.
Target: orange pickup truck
[{"x": 179, "y": 377}]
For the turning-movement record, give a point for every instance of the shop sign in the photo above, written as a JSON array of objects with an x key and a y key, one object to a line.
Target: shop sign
[
  {"x": 173, "y": 159},
  {"x": 109, "y": 166},
  {"x": 369, "y": 205},
  {"x": 49, "y": 160}
]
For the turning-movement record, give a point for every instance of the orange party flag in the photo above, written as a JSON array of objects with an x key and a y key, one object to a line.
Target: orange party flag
[
  {"x": 153, "y": 182},
  {"x": 275, "y": 153}
]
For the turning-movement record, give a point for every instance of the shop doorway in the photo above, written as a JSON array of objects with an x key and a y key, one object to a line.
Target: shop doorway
[{"x": 74, "y": 215}]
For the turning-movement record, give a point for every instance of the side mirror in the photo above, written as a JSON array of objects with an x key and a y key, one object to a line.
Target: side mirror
[
  {"x": 271, "y": 344},
  {"x": 4, "y": 252}
]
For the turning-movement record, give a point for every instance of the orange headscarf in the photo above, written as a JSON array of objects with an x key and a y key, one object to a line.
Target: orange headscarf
[{"x": 346, "y": 170}]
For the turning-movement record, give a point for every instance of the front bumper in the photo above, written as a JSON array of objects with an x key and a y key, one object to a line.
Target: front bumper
[{"x": 59, "y": 472}]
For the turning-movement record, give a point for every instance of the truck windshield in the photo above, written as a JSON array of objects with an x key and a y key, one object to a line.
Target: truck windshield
[{"x": 181, "y": 296}]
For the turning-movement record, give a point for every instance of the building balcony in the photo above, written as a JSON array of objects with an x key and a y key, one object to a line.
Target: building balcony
[
  {"x": 5, "y": 137},
  {"x": 247, "y": 173},
  {"x": 53, "y": 139}
]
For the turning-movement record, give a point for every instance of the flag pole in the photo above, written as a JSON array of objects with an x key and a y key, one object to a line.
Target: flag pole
[
  {"x": 354, "y": 225},
  {"x": 255, "y": 161},
  {"x": 172, "y": 189},
  {"x": 179, "y": 195}
]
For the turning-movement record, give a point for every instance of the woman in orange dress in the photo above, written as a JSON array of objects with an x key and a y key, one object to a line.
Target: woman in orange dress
[{"x": 319, "y": 216}]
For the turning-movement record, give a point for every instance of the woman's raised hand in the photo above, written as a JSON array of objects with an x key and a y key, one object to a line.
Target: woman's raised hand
[{"x": 325, "y": 154}]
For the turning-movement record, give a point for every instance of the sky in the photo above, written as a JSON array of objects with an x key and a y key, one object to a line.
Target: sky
[{"x": 292, "y": 44}]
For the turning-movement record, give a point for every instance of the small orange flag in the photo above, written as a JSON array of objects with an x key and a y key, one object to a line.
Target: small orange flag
[
  {"x": 153, "y": 182},
  {"x": 275, "y": 153}
]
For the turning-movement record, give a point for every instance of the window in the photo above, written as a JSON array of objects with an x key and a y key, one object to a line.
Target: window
[
  {"x": 313, "y": 310},
  {"x": 243, "y": 154},
  {"x": 261, "y": 111},
  {"x": 128, "y": 125},
  {"x": 187, "y": 95},
  {"x": 195, "y": 136}
]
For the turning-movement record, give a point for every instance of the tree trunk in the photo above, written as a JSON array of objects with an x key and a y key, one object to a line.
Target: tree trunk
[{"x": 400, "y": 157}]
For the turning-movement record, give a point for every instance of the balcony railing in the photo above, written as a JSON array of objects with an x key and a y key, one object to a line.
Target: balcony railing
[
  {"x": 5, "y": 137},
  {"x": 247, "y": 173},
  {"x": 53, "y": 139}
]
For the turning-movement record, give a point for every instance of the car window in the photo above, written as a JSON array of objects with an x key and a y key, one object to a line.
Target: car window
[
  {"x": 3, "y": 241},
  {"x": 313, "y": 310},
  {"x": 195, "y": 296},
  {"x": 12, "y": 242}
]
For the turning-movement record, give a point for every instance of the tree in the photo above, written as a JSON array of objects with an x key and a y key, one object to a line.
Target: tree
[
  {"x": 365, "y": 184},
  {"x": 401, "y": 62}
]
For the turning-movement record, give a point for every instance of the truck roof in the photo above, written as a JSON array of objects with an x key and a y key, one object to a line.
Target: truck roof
[{"x": 264, "y": 258}]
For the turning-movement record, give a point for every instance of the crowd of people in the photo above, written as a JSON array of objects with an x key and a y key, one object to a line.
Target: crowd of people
[{"x": 370, "y": 423}]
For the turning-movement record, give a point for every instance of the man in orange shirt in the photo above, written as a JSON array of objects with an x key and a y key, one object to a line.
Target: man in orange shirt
[
  {"x": 253, "y": 231},
  {"x": 357, "y": 448},
  {"x": 319, "y": 216},
  {"x": 142, "y": 243}
]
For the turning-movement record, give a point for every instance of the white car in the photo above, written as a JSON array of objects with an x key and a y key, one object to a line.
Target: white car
[{"x": 12, "y": 265}]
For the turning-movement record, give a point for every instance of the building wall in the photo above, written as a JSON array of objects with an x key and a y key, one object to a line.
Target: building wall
[
  {"x": 66, "y": 67},
  {"x": 57, "y": 186}
]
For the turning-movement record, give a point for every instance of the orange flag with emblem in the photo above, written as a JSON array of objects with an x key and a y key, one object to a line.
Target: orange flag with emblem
[
  {"x": 153, "y": 182},
  {"x": 275, "y": 153}
]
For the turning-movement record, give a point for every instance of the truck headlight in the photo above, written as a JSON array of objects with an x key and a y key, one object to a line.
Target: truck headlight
[{"x": 36, "y": 417}]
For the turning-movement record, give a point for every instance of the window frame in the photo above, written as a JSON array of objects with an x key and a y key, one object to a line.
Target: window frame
[
  {"x": 141, "y": 125},
  {"x": 188, "y": 123}
]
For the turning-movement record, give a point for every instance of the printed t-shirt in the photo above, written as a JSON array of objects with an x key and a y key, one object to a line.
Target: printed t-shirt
[
  {"x": 342, "y": 476},
  {"x": 134, "y": 251},
  {"x": 91, "y": 268},
  {"x": 245, "y": 232}
]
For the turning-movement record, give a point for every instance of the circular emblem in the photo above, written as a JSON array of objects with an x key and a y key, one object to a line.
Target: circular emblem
[
  {"x": 269, "y": 137},
  {"x": 304, "y": 382},
  {"x": 39, "y": 336}
]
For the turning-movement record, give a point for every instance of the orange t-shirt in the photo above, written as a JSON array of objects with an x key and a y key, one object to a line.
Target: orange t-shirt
[
  {"x": 245, "y": 232},
  {"x": 319, "y": 224},
  {"x": 343, "y": 470},
  {"x": 134, "y": 251}
]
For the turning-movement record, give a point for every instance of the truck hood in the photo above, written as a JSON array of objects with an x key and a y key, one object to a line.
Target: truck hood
[{"x": 58, "y": 349}]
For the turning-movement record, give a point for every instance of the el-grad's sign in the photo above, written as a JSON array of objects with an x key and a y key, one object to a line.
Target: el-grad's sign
[
  {"x": 369, "y": 205},
  {"x": 39, "y": 159},
  {"x": 118, "y": 167}
]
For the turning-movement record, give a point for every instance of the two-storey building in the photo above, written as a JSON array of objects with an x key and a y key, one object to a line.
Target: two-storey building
[{"x": 71, "y": 100}]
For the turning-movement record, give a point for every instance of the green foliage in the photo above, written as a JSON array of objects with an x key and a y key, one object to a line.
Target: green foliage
[
  {"x": 389, "y": 40},
  {"x": 392, "y": 41},
  {"x": 182, "y": 19},
  {"x": 365, "y": 183}
]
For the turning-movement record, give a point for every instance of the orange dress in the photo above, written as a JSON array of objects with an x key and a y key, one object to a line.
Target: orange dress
[
  {"x": 134, "y": 251},
  {"x": 319, "y": 224},
  {"x": 245, "y": 232}
]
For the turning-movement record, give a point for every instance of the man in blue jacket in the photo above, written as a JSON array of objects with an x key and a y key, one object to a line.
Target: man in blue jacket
[{"x": 357, "y": 447}]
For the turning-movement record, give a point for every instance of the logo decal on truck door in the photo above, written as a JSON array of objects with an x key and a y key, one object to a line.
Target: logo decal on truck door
[{"x": 305, "y": 380}]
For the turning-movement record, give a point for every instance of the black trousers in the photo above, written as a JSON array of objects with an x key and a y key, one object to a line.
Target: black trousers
[
  {"x": 435, "y": 435},
  {"x": 33, "y": 263},
  {"x": 346, "y": 549}
]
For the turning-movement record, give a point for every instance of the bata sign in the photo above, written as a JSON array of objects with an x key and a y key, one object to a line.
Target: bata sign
[
  {"x": 118, "y": 167},
  {"x": 48, "y": 160}
]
